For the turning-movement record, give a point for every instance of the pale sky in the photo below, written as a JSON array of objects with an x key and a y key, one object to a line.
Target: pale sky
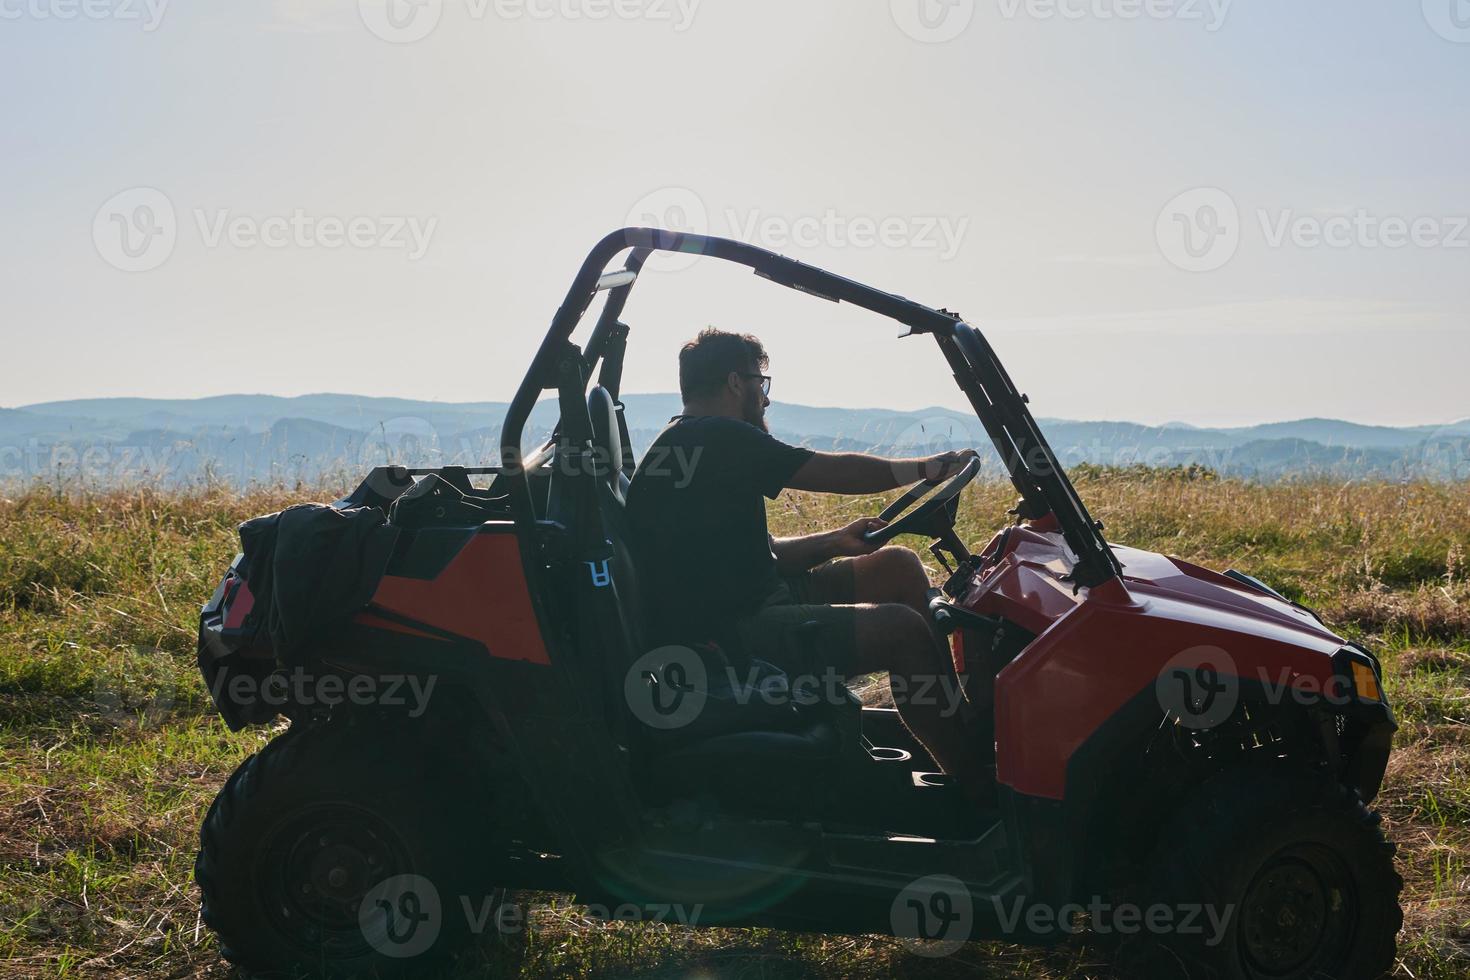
[{"x": 1020, "y": 161}]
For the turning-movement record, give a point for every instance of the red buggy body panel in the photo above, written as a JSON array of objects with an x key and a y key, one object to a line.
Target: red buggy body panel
[
  {"x": 480, "y": 595},
  {"x": 1161, "y": 608}
]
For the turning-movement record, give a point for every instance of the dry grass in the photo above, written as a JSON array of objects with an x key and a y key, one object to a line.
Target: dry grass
[{"x": 109, "y": 753}]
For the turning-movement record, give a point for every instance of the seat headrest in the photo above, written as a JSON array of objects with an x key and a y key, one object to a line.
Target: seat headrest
[{"x": 607, "y": 438}]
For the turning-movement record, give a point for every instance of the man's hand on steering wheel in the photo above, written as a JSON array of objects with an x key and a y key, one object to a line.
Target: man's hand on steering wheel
[
  {"x": 852, "y": 541},
  {"x": 941, "y": 465}
]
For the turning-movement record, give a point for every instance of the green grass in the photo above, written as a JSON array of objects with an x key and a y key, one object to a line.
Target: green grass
[{"x": 109, "y": 753}]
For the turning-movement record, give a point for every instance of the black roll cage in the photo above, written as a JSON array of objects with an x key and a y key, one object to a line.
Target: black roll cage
[{"x": 1001, "y": 409}]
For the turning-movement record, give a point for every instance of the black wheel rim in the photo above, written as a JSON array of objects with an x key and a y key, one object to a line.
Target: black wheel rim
[
  {"x": 315, "y": 870},
  {"x": 1299, "y": 913}
]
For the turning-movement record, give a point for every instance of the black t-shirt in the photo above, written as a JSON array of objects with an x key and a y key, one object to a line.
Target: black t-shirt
[{"x": 698, "y": 523}]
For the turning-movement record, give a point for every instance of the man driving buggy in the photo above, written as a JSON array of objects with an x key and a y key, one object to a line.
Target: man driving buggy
[{"x": 700, "y": 540}]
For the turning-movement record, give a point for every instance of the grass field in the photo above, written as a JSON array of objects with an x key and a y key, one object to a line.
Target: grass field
[{"x": 109, "y": 752}]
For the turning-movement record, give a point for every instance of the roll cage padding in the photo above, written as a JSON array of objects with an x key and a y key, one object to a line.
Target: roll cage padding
[{"x": 1028, "y": 458}]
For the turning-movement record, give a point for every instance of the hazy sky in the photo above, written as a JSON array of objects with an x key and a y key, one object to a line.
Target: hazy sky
[{"x": 1157, "y": 209}]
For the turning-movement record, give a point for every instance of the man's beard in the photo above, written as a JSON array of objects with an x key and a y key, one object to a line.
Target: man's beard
[{"x": 757, "y": 418}]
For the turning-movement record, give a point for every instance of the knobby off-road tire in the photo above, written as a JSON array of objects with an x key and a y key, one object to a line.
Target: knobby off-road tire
[
  {"x": 349, "y": 848},
  {"x": 1300, "y": 865}
]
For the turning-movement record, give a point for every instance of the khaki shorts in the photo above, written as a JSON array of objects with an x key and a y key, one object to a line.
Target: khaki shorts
[{"x": 823, "y": 595}]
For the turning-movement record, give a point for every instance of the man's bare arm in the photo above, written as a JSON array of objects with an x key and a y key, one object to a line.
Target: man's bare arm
[
  {"x": 861, "y": 473},
  {"x": 810, "y": 550}
]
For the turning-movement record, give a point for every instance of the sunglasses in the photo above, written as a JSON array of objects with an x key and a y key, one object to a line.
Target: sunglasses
[{"x": 765, "y": 382}]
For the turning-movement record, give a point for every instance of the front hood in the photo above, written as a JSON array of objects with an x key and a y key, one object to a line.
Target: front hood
[
  {"x": 1026, "y": 578},
  {"x": 1147, "y": 573}
]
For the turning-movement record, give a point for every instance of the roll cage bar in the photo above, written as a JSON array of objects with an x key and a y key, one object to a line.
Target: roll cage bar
[{"x": 559, "y": 365}]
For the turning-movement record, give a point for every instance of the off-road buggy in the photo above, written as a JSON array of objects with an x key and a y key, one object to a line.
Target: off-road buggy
[{"x": 1179, "y": 754}]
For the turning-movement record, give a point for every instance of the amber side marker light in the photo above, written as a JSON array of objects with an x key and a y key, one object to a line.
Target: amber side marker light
[{"x": 1365, "y": 683}]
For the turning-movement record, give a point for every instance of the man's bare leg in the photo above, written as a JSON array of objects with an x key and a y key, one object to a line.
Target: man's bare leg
[
  {"x": 897, "y": 575},
  {"x": 895, "y": 638},
  {"x": 892, "y": 574}
]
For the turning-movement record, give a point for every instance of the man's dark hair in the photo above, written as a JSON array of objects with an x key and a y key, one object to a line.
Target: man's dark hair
[{"x": 707, "y": 360}]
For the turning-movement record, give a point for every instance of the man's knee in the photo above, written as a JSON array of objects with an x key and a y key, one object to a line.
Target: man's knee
[
  {"x": 901, "y": 563},
  {"x": 894, "y": 574}
]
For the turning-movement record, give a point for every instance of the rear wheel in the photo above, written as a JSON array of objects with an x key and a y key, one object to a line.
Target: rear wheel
[
  {"x": 1281, "y": 874},
  {"x": 347, "y": 848}
]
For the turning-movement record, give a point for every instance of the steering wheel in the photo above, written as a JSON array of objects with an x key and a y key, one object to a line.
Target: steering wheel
[{"x": 934, "y": 517}]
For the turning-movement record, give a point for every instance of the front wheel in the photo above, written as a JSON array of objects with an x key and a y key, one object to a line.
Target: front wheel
[
  {"x": 347, "y": 848},
  {"x": 1282, "y": 874}
]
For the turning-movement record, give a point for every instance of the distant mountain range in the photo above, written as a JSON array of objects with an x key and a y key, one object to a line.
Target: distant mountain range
[{"x": 262, "y": 438}]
